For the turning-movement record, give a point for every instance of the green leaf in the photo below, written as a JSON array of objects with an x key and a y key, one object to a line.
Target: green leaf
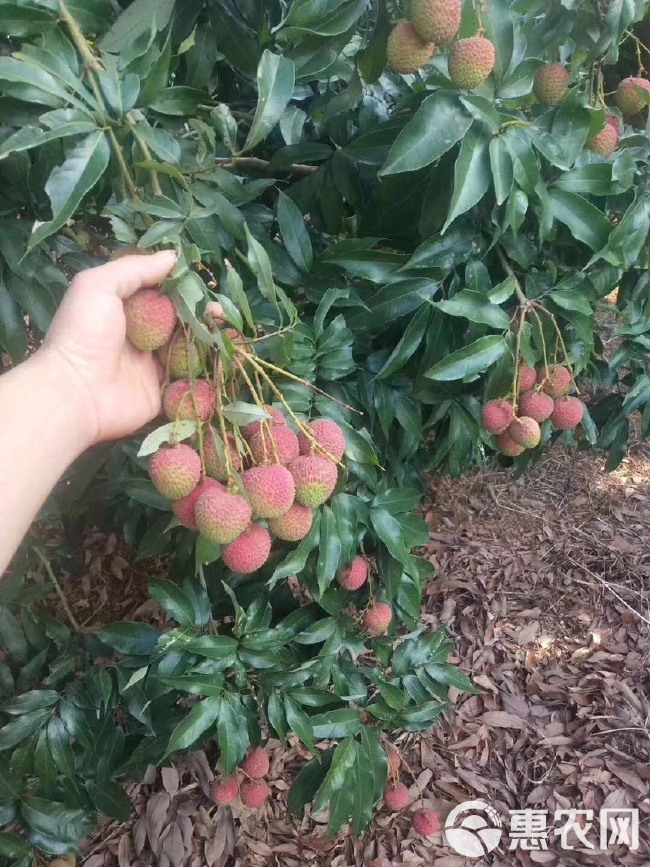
[
  {"x": 469, "y": 360},
  {"x": 308, "y": 781},
  {"x": 276, "y": 77},
  {"x": 33, "y": 700},
  {"x": 502, "y": 171},
  {"x": 110, "y": 799},
  {"x": 299, "y": 722},
  {"x": 32, "y": 136},
  {"x": 260, "y": 265},
  {"x": 329, "y": 552},
  {"x": 232, "y": 734},
  {"x": 136, "y": 638},
  {"x": 337, "y": 776},
  {"x": 585, "y": 221},
  {"x": 30, "y": 83},
  {"x": 437, "y": 125},
  {"x": 335, "y": 724},
  {"x": 295, "y": 562},
  {"x": 141, "y": 17},
  {"x": 12, "y": 637},
  {"x": 166, "y": 433},
  {"x": 20, "y": 728},
  {"x": 55, "y": 819},
  {"x": 202, "y": 716},
  {"x": 60, "y": 747},
  {"x": 475, "y": 307},
  {"x": 407, "y": 345},
  {"x": 570, "y": 130},
  {"x": 170, "y": 597},
  {"x": 215, "y": 647},
  {"x": 68, "y": 183},
  {"x": 398, "y": 500},
  {"x": 472, "y": 174},
  {"x": 294, "y": 233}
]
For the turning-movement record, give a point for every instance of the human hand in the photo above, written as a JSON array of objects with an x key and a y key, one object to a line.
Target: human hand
[{"x": 115, "y": 387}]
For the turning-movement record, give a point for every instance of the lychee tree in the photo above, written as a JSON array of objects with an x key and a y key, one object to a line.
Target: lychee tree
[{"x": 396, "y": 226}]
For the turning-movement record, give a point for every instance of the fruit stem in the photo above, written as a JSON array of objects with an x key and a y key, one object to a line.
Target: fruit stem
[
  {"x": 222, "y": 423},
  {"x": 515, "y": 380},
  {"x": 260, "y": 403},
  {"x": 507, "y": 267},
  {"x": 541, "y": 337},
  {"x": 561, "y": 342}
]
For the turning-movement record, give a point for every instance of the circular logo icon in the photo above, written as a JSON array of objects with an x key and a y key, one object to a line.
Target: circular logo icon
[{"x": 477, "y": 833}]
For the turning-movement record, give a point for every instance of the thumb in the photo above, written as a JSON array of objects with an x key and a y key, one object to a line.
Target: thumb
[{"x": 125, "y": 276}]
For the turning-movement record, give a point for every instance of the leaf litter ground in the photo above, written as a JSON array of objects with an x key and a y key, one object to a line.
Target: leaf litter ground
[{"x": 544, "y": 584}]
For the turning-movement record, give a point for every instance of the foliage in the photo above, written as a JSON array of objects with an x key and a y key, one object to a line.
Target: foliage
[{"x": 384, "y": 229}]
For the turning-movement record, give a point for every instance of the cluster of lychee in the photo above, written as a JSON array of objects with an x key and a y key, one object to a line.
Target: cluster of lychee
[
  {"x": 543, "y": 394},
  {"x": 248, "y": 784},
  {"x": 396, "y": 798},
  {"x": 434, "y": 23},
  {"x": 261, "y": 472},
  {"x": 378, "y": 615},
  {"x": 551, "y": 85}
]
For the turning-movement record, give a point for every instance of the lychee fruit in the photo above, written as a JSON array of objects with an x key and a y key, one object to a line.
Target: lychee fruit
[
  {"x": 293, "y": 525},
  {"x": 254, "y": 793},
  {"x": 256, "y": 763},
  {"x": 508, "y": 447},
  {"x": 222, "y": 516},
  {"x": 274, "y": 440},
  {"x": 551, "y": 83},
  {"x": 394, "y": 759},
  {"x": 225, "y": 790},
  {"x": 557, "y": 383},
  {"x": 213, "y": 315},
  {"x": 315, "y": 478},
  {"x": 525, "y": 431},
  {"x": 405, "y": 51},
  {"x": 605, "y": 142},
  {"x": 496, "y": 415},
  {"x": 237, "y": 339},
  {"x": 536, "y": 404},
  {"x": 425, "y": 822},
  {"x": 567, "y": 413},
  {"x": 328, "y": 435},
  {"x": 436, "y": 20},
  {"x": 252, "y": 427},
  {"x": 396, "y": 796},
  {"x": 184, "y": 508},
  {"x": 175, "y": 471},
  {"x": 249, "y": 552},
  {"x": 150, "y": 319},
  {"x": 470, "y": 62},
  {"x": 630, "y": 97},
  {"x": 615, "y": 121},
  {"x": 215, "y": 465},
  {"x": 377, "y": 618},
  {"x": 180, "y": 358},
  {"x": 270, "y": 489},
  {"x": 183, "y": 400},
  {"x": 354, "y": 575},
  {"x": 527, "y": 378}
]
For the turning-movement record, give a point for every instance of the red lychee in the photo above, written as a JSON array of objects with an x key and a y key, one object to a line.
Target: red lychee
[
  {"x": 256, "y": 763},
  {"x": 222, "y": 516},
  {"x": 254, "y": 426},
  {"x": 496, "y": 415},
  {"x": 604, "y": 142},
  {"x": 536, "y": 404},
  {"x": 354, "y": 574},
  {"x": 293, "y": 525},
  {"x": 215, "y": 463},
  {"x": 567, "y": 413},
  {"x": 525, "y": 431},
  {"x": 270, "y": 489},
  {"x": 175, "y": 471},
  {"x": 508, "y": 447},
  {"x": 527, "y": 378},
  {"x": 394, "y": 759},
  {"x": 377, "y": 618},
  {"x": 425, "y": 822},
  {"x": 396, "y": 796},
  {"x": 558, "y": 381},
  {"x": 327, "y": 434},
  {"x": 249, "y": 552},
  {"x": 254, "y": 793},
  {"x": 470, "y": 62},
  {"x": 181, "y": 358},
  {"x": 213, "y": 315},
  {"x": 275, "y": 443},
  {"x": 405, "y": 51},
  {"x": 225, "y": 790},
  {"x": 551, "y": 83},
  {"x": 185, "y": 400},
  {"x": 630, "y": 96},
  {"x": 150, "y": 319},
  {"x": 184, "y": 508}
]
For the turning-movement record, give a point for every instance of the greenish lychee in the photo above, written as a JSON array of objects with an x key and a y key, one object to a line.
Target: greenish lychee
[
  {"x": 551, "y": 83},
  {"x": 470, "y": 62},
  {"x": 183, "y": 400},
  {"x": 315, "y": 478},
  {"x": 222, "y": 516},
  {"x": 436, "y": 20},
  {"x": 525, "y": 431},
  {"x": 175, "y": 470},
  {"x": 605, "y": 142},
  {"x": 150, "y": 319},
  {"x": 508, "y": 447},
  {"x": 405, "y": 51},
  {"x": 557, "y": 383},
  {"x": 377, "y": 618},
  {"x": 293, "y": 525},
  {"x": 630, "y": 95},
  {"x": 181, "y": 358}
]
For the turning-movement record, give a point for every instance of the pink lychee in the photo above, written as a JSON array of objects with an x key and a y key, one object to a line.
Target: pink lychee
[
  {"x": 175, "y": 470},
  {"x": 354, "y": 574},
  {"x": 249, "y": 552},
  {"x": 496, "y": 415}
]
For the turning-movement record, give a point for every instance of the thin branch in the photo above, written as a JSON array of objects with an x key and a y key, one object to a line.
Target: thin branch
[
  {"x": 263, "y": 165},
  {"x": 507, "y": 267},
  {"x": 41, "y": 556}
]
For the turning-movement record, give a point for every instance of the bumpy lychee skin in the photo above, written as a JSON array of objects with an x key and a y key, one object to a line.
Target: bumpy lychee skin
[
  {"x": 558, "y": 381},
  {"x": 551, "y": 83},
  {"x": 221, "y": 516},
  {"x": 254, "y": 426},
  {"x": 175, "y": 471},
  {"x": 470, "y": 62},
  {"x": 280, "y": 440},
  {"x": 508, "y": 447},
  {"x": 605, "y": 142},
  {"x": 215, "y": 466},
  {"x": 354, "y": 575},
  {"x": 150, "y": 319},
  {"x": 405, "y": 51},
  {"x": 630, "y": 98},
  {"x": 249, "y": 552},
  {"x": 225, "y": 790},
  {"x": 425, "y": 822},
  {"x": 396, "y": 796},
  {"x": 182, "y": 399},
  {"x": 527, "y": 378},
  {"x": 377, "y": 618},
  {"x": 315, "y": 478},
  {"x": 615, "y": 121},
  {"x": 184, "y": 509},
  {"x": 327, "y": 434},
  {"x": 256, "y": 763},
  {"x": 536, "y": 404},
  {"x": 180, "y": 359},
  {"x": 525, "y": 431},
  {"x": 496, "y": 415},
  {"x": 567, "y": 413},
  {"x": 436, "y": 20},
  {"x": 394, "y": 759},
  {"x": 293, "y": 525},
  {"x": 270, "y": 489},
  {"x": 254, "y": 793}
]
